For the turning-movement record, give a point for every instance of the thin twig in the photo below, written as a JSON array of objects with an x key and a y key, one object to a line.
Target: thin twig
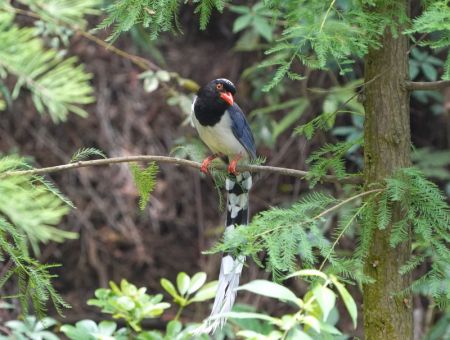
[
  {"x": 427, "y": 85},
  {"x": 177, "y": 161}
]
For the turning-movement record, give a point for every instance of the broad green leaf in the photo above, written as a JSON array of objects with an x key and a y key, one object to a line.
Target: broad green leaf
[
  {"x": 242, "y": 22},
  {"x": 348, "y": 300},
  {"x": 248, "y": 334},
  {"x": 173, "y": 328},
  {"x": 126, "y": 303},
  {"x": 107, "y": 327},
  {"x": 151, "y": 84},
  {"x": 263, "y": 27},
  {"x": 169, "y": 288},
  {"x": 326, "y": 299},
  {"x": 413, "y": 69},
  {"x": 271, "y": 289},
  {"x": 240, "y": 9},
  {"x": 327, "y": 328},
  {"x": 183, "y": 282},
  {"x": 128, "y": 288},
  {"x": 307, "y": 272},
  {"x": 207, "y": 292},
  {"x": 87, "y": 325},
  {"x": 297, "y": 334},
  {"x": 246, "y": 315},
  {"x": 312, "y": 322},
  {"x": 197, "y": 281},
  {"x": 429, "y": 71}
]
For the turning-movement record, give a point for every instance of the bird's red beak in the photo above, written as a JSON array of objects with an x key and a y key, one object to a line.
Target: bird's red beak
[{"x": 228, "y": 97}]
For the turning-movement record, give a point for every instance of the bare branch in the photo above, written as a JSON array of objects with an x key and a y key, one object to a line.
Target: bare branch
[
  {"x": 427, "y": 85},
  {"x": 176, "y": 161}
]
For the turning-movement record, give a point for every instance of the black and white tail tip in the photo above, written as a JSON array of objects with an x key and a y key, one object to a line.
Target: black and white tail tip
[{"x": 231, "y": 267}]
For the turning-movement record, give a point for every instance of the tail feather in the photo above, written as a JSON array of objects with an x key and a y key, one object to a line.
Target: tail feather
[{"x": 231, "y": 267}]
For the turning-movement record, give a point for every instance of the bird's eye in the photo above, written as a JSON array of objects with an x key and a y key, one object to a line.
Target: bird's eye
[{"x": 219, "y": 87}]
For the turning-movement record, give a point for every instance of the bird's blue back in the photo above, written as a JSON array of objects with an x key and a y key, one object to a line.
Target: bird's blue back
[{"x": 241, "y": 129}]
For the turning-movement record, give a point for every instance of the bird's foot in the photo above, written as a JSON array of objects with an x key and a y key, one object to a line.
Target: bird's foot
[
  {"x": 206, "y": 162},
  {"x": 233, "y": 164}
]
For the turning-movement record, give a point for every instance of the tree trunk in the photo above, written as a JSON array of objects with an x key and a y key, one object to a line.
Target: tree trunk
[{"x": 387, "y": 147}]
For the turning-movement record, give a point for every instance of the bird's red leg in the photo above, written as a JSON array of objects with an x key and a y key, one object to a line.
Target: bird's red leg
[
  {"x": 233, "y": 164},
  {"x": 207, "y": 161}
]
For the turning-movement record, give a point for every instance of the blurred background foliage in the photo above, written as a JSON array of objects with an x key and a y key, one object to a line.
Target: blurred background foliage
[{"x": 62, "y": 89}]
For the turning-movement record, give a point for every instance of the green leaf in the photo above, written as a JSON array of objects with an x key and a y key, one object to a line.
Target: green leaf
[
  {"x": 197, "y": 281},
  {"x": 242, "y": 22},
  {"x": 173, "y": 328},
  {"x": 183, "y": 282},
  {"x": 169, "y": 288},
  {"x": 429, "y": 71},
  {"x": 240, "y": 9},
  {"x": 348, "y": 300},
  {"x": 271, "y": 289},
  {"x": 207, "y": 292},
  {"x": 107, "y": 327},
  {"x": 312, "y": 322},
  {"x": 125, "y": 303},
  {"x": 262, "y": 27},
  {"x": 247, "y": 315},
  {"x": 308, "y": 272},
  {"x": 327, "y": 328},
  {"x": 326, "y": 299},
  {"x": 297, "y": 334}
]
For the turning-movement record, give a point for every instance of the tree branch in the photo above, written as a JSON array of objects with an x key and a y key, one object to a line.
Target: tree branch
[
  {"x": 176, "y": 161},
  {"x": 427, "y": 85}
]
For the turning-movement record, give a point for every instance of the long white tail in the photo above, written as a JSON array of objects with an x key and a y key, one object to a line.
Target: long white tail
[{"x": 231, "y": 267}]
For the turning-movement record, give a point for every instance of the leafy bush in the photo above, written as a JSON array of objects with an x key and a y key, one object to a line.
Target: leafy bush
[
  {"x": 129, "y": 303},
  {"x": 31, "y": 328}
]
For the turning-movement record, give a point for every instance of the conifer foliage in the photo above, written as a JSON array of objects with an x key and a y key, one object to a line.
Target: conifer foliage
[{"x": 58, "y": 84}]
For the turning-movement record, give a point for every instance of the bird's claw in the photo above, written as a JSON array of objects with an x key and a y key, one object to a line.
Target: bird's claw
[
  {"x": 206, "y": 162},
  {"x": 232, "y": 168},
  {"x": 233, "y": 164},
  {"x": 205, "y": 165}
]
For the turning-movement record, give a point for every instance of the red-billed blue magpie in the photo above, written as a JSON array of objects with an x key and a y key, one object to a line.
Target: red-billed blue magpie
[{"x": 222, "y": 126}]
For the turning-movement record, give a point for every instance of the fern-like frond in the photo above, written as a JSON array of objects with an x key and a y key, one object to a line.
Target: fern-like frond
[
  {"x": 426, "y": 212},
  {"x": 318, "y": 35},
  {"x": 58, "y": 86},
  {"x": 157, "y": 16},
  {"x": 434, "y": 21},
  {"x": 72, "y": 12},
  {"x": 284, "y": 234},
  {"x": 329, "y": 158},
  {"x": 33, "y": 205},
  {"x": 33, "y": 279},
  {"x": 145, "y": 181},
  {"x": 85, "y": 153},
  {"x": 205, "y": 7}
]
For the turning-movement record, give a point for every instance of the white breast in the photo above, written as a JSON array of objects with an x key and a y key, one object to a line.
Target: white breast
[{"x": 219, "y": 138}]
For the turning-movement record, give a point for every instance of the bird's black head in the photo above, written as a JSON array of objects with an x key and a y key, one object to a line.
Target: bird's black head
[{"x": 213, "y": 99}]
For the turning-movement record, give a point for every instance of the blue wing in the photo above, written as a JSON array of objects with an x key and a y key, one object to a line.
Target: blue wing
[{"x": 241, "y": 129}]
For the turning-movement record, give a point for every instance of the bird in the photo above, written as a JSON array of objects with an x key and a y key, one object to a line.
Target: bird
[{"x": 222, "y": 126}]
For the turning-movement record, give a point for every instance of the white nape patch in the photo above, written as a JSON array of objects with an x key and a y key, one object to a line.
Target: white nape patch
[
  {"x": 220, "y": 138},
  {"x": 192, "y": 111}
]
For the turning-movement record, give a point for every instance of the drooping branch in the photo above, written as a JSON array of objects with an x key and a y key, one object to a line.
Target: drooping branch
[
  {"x": 176, "y": 161},
  {"x": 427, "y": 85}
]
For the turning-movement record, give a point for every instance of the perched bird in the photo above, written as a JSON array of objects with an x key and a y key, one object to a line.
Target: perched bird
[{"x": 222, "y": 126}]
